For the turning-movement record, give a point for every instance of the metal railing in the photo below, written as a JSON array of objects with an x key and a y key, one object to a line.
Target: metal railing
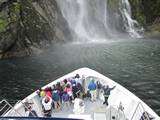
[
  {"x": 5, "y": 107},
  {"x": 140, "y": 113}
]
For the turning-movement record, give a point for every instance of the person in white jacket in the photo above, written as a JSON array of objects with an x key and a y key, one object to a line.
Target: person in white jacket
[{"x": 47, "y": 105}]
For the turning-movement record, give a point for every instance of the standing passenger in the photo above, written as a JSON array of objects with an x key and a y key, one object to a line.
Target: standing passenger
[
  {"x": 99, "y": 87},
  {"x": 92, "y": 88},
  {"x": 41, "y": 93},
  {"x": 81, "y": 90},
  {"x": 56, "y": 98},
  {"x": 48, "y": 91},
  {"x": 68, "y": 89},
  {"x": 77, "y": 79},
  {"x": 47, "y": 105},
  {"x": 75, "y": 91},
  {"x": 65, "y": 99},
  {"x": 106, "y": 93},
  {"x": 60, "y": 89}
]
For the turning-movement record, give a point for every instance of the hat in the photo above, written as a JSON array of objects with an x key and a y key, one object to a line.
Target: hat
[
  {"x": 92, "y": 80},
  {"x": 46, "y": 99}
]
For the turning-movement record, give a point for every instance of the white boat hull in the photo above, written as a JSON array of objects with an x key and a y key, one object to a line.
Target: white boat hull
[{"x": 132, "y": 104}]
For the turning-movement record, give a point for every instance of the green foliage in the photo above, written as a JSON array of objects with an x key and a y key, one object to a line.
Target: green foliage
[
  {"x": 3, "y": 24},
  {"x": 140, "y": 18},
  {"x": 145, "y": 11},
  {"x": 138, "y": 11},
  {"x": 14, "y": 11},
  {"x": 16, "y": 7}
]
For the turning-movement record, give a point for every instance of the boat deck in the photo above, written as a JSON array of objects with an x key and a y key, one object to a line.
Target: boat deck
[
  {"x": 123, "y": 104},
  {"x": 67, "y": 111}
]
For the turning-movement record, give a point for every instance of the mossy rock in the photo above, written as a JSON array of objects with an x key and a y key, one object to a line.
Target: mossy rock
[{"x": 3, "y": 24}]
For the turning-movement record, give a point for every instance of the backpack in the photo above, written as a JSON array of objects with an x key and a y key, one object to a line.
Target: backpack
[
  {"x": 56, "y": 96},
  {"x": 65, "y": 97}
]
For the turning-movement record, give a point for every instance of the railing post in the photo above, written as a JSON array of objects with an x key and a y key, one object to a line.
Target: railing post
[{"x": 135, "y": 111}]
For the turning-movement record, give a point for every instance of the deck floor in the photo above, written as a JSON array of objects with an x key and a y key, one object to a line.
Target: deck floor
[{"x": 90, "y": 109}]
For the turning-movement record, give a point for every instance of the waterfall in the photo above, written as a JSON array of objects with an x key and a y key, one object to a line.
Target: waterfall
[
  {"x": 131, "y": 26},
  {"x": 96, "y": 19}
]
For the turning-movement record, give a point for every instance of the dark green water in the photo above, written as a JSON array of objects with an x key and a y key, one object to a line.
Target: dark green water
[{"x": 134, "y": 64}]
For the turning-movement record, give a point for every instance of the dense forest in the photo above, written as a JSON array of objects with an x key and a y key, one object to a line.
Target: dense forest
[
  {"x": 147, "y": 13},
  {"x": 26, "y": 25}
]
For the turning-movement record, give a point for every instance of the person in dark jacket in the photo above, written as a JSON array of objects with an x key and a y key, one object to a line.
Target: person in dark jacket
[
  {"x": 99, "y": 87},
  {"x": 81, "y": 90},
  {"x": 106, "y": 93},
  {"x": 60, "y": 89},
  {"x": 75, "y": 90},
  {"x": 56, "y": 99}
]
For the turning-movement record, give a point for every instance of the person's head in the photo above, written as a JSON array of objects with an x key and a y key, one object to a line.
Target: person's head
[
  {"x": 92, "y": 80},
  {"x": 77, "y": 76},
  {"x": 46, "y": 99},
  {"x": 46, "y": 89},
  {"x": 68, "y": 86},
  {"x": 58, "y": 84},
  {"x": 38, "y": 91},
  {"x": 65, "y": 81}
]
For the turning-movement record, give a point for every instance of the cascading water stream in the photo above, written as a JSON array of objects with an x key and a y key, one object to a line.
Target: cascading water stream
[
  {"x": 131, "y": 26},
  {"x": 96, "y": 19}
]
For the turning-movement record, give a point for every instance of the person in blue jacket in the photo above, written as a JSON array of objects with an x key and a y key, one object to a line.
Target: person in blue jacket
[{"x": 92, "y": 89}]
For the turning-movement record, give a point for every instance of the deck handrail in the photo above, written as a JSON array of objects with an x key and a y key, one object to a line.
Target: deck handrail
[
  {"x": 136, "y": 110},
  {"x": 7, "y": 107}
]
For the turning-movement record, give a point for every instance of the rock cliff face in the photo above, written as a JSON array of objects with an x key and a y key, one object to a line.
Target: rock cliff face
[{"x": 26, "y": 25}]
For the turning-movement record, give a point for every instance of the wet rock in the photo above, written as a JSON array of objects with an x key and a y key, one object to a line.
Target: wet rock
[{"x": 27, "y": 24}]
